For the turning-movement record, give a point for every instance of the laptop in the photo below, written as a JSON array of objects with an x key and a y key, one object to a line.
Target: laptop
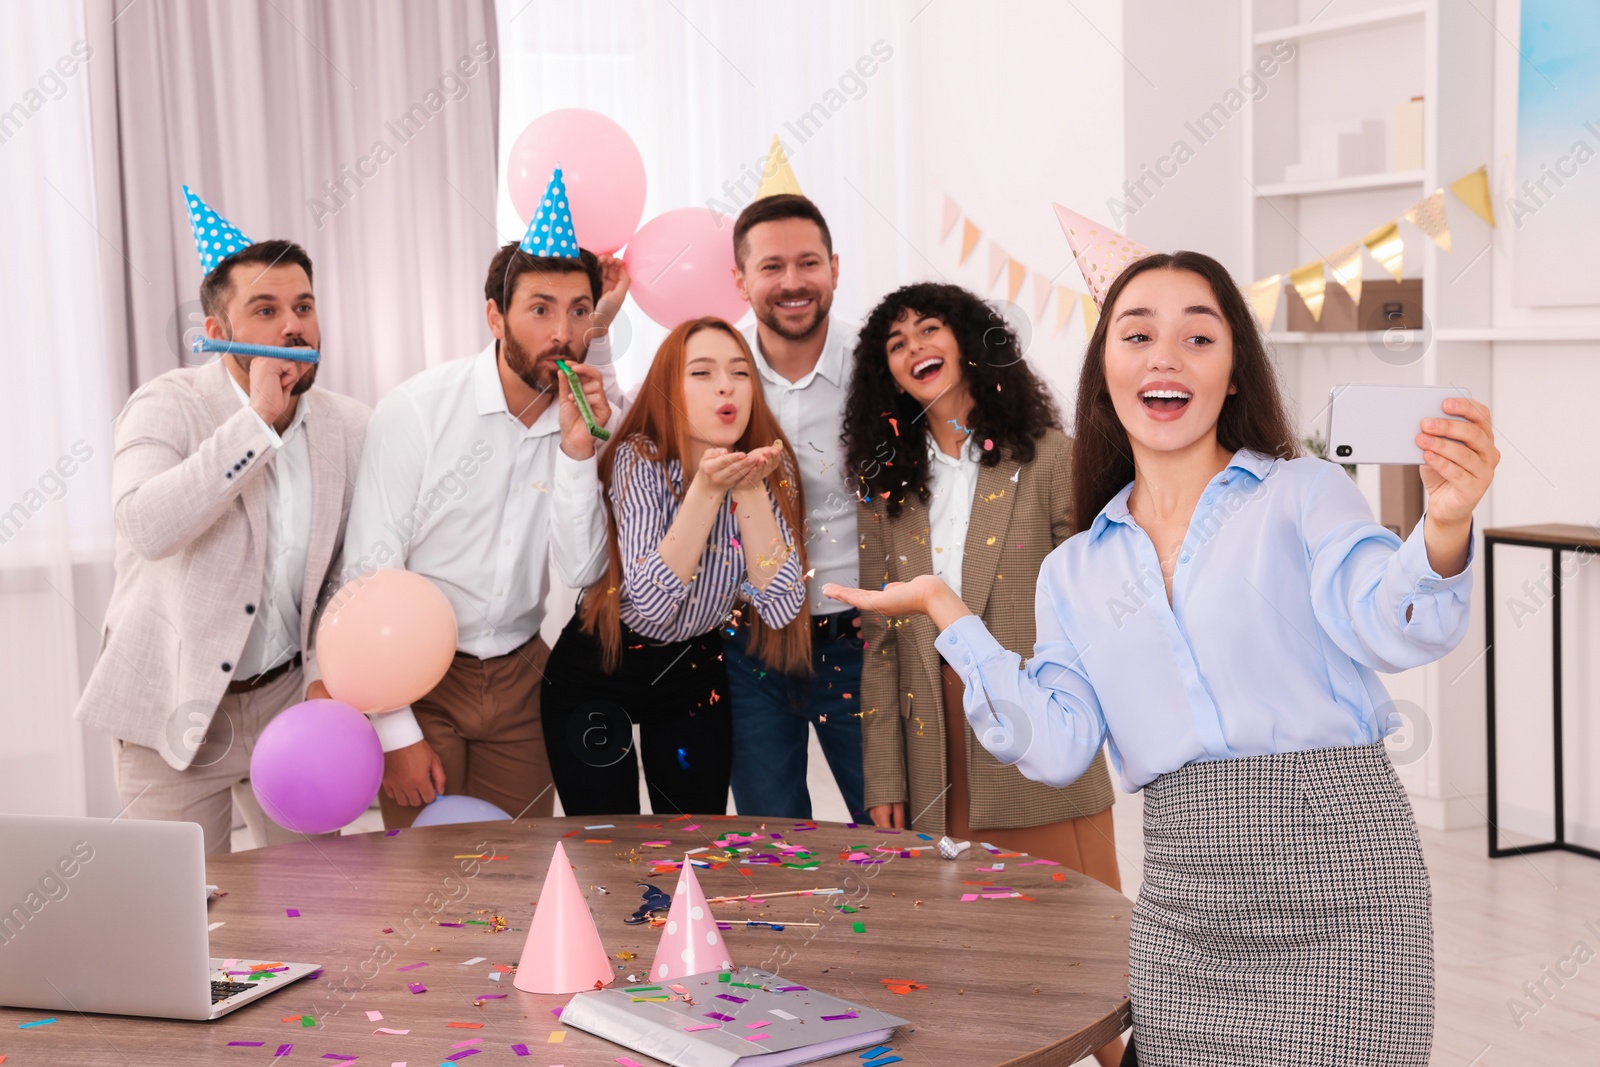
[{"x": 109, "y": 915}]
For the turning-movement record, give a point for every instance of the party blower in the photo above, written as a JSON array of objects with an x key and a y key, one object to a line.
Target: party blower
[{"x": 239, "y": 348}]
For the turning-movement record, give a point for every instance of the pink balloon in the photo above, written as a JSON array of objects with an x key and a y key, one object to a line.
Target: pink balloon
[
  {"x": 602, "y": 168},
  {"x": 385, "y": 640},
  {"x": 680, "y": 266},
  {"x": 316, "y": 766}
]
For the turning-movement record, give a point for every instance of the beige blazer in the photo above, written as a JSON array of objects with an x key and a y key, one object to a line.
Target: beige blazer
[
  {"x": 190, "y": 511},
  {"x": 1014, "y": 526}
]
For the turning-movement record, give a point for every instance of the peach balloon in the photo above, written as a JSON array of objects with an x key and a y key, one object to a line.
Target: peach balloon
[{"x": 385, "y": 640}]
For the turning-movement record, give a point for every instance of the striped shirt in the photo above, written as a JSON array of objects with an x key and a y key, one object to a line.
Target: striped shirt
[{"x": 645, "y": 497}]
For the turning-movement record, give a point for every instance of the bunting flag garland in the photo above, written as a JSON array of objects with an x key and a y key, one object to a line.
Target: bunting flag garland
[
  {"x": 1064, "y": 305},
  {"x": 969, "y": 239},
  {"x": 1263, "y": 297},
  {"x": 1015, "y": 273},
  {"x": 1428, "y": 216},
  {"x": 997, "y": 262},
  {"x": 951, "y": 215},
  {"x": 1346, "y": 267},
  {"x": 1473, "y": 191},
  {"x": 1312, "y": 285},
  {"x": 1091, "y": 313},
  {"x": 1387, "y": 248},
  {"x": 1041, "y": 294}
]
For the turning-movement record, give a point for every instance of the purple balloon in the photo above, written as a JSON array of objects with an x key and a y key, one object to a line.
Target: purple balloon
[{"x": 317, "y": 766}]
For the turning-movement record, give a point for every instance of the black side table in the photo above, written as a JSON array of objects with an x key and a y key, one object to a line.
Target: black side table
[{"x": 1558, "y": 538}]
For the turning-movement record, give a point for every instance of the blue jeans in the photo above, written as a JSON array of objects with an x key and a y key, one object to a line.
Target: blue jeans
[{"x": 772, "y": 716}]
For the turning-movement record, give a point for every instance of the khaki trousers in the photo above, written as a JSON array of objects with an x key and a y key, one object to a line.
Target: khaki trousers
[
  {"x": 483, "y": 721},
  {"x": 218, "y": 778}
]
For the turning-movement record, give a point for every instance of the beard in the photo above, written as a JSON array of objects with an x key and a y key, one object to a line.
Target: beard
[
  {"x": 304, "y": 383},
  {"x": 768, "y": 314},
  {"x": 527, "y": 366}
]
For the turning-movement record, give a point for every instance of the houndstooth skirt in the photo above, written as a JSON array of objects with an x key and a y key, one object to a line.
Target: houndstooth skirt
[{"x": 1284, "y": 917}]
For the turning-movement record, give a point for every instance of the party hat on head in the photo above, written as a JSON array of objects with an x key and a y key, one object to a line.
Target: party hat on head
[
  {"x": 776, "y": 175},
  {"x": 1102, "y": 252},
  {"x": 215, "y": 238},
  {"x": 690, "y": 942},
  {"x": 563, "y": 953},
  {"x": 550, "y": 231}
]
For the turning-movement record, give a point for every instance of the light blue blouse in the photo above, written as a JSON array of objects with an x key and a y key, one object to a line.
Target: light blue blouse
[{"x": 1286, "y": 598}]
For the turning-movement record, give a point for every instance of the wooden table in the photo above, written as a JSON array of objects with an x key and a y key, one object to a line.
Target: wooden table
[
  {"x": 1560, "y": 539},
  {"x": 1010, "y": 981}
]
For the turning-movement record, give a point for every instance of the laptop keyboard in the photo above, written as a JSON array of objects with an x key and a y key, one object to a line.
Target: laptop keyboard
[{"x": 221, "y": 991}]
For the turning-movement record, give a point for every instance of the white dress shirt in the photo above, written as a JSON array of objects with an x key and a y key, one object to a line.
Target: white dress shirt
[
  {"x": 952, "y": 482},
  {"x": 452, "y": 486},
  {"x": 275, "y": 635},
  {"x": 810, "y": 412}
]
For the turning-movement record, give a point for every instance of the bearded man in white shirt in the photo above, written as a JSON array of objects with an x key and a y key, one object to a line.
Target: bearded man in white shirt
[{"x": 476, "y": 474}]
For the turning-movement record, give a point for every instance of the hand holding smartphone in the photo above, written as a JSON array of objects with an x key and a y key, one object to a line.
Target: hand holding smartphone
[{"x": 1380, "y": 423}]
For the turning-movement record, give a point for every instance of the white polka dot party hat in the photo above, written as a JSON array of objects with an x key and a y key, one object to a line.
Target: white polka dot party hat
[
  {"x": 550, "y": 231},
  {"x": 690, "y": 942},
  {"x": 215, "y": 238}
]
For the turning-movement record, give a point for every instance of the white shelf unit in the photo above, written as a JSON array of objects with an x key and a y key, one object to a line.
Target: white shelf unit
[{"x": 1355, "y": 60}]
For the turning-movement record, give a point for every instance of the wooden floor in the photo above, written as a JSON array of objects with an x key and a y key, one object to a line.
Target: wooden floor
[{"x": 1498, "y": 924}]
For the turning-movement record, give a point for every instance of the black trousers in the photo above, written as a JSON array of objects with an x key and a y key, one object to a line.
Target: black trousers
[{"x": 677, "y": 694}]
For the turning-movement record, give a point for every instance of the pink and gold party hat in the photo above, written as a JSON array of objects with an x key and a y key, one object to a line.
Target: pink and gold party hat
[{"x": 1102, "y": 252}]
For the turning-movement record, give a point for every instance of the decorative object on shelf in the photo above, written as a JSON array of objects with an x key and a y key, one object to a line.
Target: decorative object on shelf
[
  {"x": 1384, "y": 305},
  {"x": 1340, "y": 150},
  {"x": 1309, "y": 280},
  {"x": 1408, "y": 117}
]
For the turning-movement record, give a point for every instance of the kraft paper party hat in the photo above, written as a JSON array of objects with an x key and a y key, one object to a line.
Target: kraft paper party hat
[
  {"x": 776, "y": 175},
  {"x": 563, "y": 953},
  {"x": 1102, "y": 253},
  {"x": 215, "y": 238},
  {"x": 690, "y": 942},
  {"x": 550, "y": 233}
]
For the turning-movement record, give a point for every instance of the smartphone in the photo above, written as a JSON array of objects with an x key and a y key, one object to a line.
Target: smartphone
[{"x": 1380, "y": 423}]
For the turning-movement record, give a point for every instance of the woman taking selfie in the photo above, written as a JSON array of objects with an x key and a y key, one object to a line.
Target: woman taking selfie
[{"x": 1221, "y": 618}]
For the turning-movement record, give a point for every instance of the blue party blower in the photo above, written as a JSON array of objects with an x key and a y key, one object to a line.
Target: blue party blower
[{"x": 239, "y": 348}]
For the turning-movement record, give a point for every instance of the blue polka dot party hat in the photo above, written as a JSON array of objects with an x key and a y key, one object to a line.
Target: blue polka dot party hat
[
  {"x": 550, "y": 231},
  {"x": 214, "y": 236}
]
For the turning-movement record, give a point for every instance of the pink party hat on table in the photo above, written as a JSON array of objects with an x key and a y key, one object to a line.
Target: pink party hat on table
[
  {"x": 1102, "y": 252},
  {"x": 563, "y": 953},
  {"x": 690, "y": 942}
]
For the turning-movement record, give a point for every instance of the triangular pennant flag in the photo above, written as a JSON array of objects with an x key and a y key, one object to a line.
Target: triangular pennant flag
[
  {"x": 969, "y": 238},
  {"x": 1473, "y": 191},
  {"x": 550, "y": 232},
  {"x": 1263, "y": 297},
  {"x": 563, "y": 953},
  {"x": 1102, "y": 253},
  {"x": 997, "y": 262},
  {"x": 1015, "y": 273},
  {"x": 1428, "y": 216},
  {"x": 1041, "y": 294},
  {"x": 690, "y": 942},
  {"x": 215, "y": 238},
  {"x": 1346, "y": 267},
  {"x": 1064, "y": 305},
  {"x": 951, "y": 215},
  {"x": 1091, "y": 313},
  {"x": 1387, "y": 247},
  {"x": 776, "y": 174},
  {"x": 1312, "y": 285}
]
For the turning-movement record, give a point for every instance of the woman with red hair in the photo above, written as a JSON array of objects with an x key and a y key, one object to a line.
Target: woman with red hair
[{"x": 703, "y": 502}]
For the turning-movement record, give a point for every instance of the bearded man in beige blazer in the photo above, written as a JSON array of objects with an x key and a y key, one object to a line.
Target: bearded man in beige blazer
[{"x": 231, "y": 484}]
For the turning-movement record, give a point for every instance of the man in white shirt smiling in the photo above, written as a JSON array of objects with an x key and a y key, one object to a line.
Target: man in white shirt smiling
[
  {"x": 786, "y": 268},
  {"x": 477, "y": 472}
]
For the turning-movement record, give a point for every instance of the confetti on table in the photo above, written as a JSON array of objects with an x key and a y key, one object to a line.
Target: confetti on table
[
  {"x": 556, "y": 1037},
  {"x": 753, "y": 1026},
  {"x": 390, "y": 833},
  {"x": 835, "y": 1018},
  {"x": 417, "y": 987},
  {"x": 213, "y": 926},
  {"x": 456, "y": 1057},
  {"x": 597, "y": 840},
  {"x": 374, "y": 1016},
  {"x": 628, "y": 1063},
  {"x": 859, "y": 928},
  {"x": 780, "y": 1013},
  {"x": 495, "y": 977},
  {"x": 468, "y": 1043},
  {"x": 521, "y": 1050},
  {"x": 293, "y": 913},
  {"x": 412, "y": 966},
  {"x": 284, "y": 1050},
  {"x": 340, "y": 1056},
  {"x": 475, "y": 959},
  {"x": 874, "y": 1053},
  {"x": 717, "y": 1015},
  {"x": 291, "y": 1018},
  {"x": 246, "y": 1044},
  {"x": 465, "y": 1026},
  {"x": 884, "y": 1062},
  {"x": 307, "y": 1022},
  {"x": 602, "y": 826},
  {"x": 731, "y": 997},
  {"x": 393, "y": 1033}
]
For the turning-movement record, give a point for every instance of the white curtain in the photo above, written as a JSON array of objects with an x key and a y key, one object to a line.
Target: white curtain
[
  {"x": 55, "y": 457},
  {"x": 703, "y": 86}
]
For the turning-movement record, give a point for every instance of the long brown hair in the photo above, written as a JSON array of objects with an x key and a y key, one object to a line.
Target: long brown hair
[
  {"x": 656, "y": 427},
  {"x": 1253, "y": 417}
]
